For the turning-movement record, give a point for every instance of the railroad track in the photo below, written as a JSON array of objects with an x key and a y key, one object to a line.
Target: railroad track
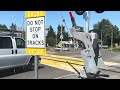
[
  {"x": 56, "y": 60},
  {"x": 74, "y": 61}
]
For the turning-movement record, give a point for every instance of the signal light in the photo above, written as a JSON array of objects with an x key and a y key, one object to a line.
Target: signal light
[
  {"x": 70, "y": 13},
  {"x": 99, "y": 11},
  {"x": 71, "y": 16},
  {"x": 79, "y": 12}
]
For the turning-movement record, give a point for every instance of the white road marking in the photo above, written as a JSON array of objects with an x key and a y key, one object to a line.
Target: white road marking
[
  {"x": 64, "y": 76},
  {"x": 111, "y": 64}
]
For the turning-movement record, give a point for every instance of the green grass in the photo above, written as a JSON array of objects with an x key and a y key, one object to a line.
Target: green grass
[
  {"x": 50, "y": 48},
  {"x": 116, "y": 49}
]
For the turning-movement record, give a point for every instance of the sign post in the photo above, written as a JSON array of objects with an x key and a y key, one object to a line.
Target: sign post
[
  {"x": 36, "y": 67},
  {"x": 35, "y": 35}
]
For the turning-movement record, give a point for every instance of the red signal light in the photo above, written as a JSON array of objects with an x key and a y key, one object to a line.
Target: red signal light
[{"x": 70, "y": 13}]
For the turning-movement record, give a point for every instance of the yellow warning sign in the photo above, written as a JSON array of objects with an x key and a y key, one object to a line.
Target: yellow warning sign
[
  {"x": 116, "y": 44},
  {"x": 36, "y": 51},
  {"x": 33, "y": 14}
]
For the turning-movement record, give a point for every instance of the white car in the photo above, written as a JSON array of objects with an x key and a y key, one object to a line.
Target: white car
[
  {"x": 58, "y": 48},
  {"x": 65, "y": 49},
  {"x": 13, "y": 53},
  {"x": 61, "y": 48}
]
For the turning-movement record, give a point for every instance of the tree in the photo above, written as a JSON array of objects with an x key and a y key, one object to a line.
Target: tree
[
  {"x": 50, "y": 39},
  {"x": 13, "y": 26},
  {"x": 105, "y": 27},
  {"x": 1, "y": 26},
  {"x": 58, "y": 33},
  {"x": 51, "y": 32},
  {"x": 65, "y": 34},
  {"x": 4, "y": 26}
]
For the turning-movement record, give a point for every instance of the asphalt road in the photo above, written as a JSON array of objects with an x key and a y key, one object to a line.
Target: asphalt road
[
  {"x": 44, "y": 72},
  {"x": 107, "y": 55},
  {"x": 47, "y": 72}
]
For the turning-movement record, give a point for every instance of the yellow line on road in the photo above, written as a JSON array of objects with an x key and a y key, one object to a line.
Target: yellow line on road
[
  {"x": 64, "y": 60},
  {"x": 61, "y": 62},
  {"x": 62, "y": 57},
  {"x": 61, "y": 65}
]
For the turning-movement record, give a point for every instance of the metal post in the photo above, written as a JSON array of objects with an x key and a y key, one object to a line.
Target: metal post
[
  {"x": 69, "y": 42},
  {"x": 111, "y": 39},
  {"x": 74, "y": 44},
  {"x": 61, "y": 37},
  {"x": 56, "y": 38},
  {"x": 101, "y": 39},
  {"x": 111, "y": 36},
  {"x": 87, "y": 21},
  {"x": 61, "y": 33},
  {"x": 36, "y": 67}
]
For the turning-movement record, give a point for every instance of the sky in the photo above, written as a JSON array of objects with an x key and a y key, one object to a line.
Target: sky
[{"x": 54, "y": 18}]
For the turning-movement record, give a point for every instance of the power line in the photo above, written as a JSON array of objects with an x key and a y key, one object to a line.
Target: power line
[
  {"x": 23, "y": 23},
  {"x": 64, "y": 21}
]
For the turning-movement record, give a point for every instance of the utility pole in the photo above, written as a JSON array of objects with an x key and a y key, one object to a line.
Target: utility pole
[
  {"x": 87, "y": 21},
  {"x": 111, "y": 36},
  {"x": 101, "y": 39},
  {"x": 61, "y": 37},
  {"x": 112, "y": 39},
  {"x": 61, "y": 33},
  {"x": 56, "y": 38}
]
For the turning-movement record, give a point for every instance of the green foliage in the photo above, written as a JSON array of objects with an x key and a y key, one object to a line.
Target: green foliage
[
  {"x": 116, "y": 49},
  {"x": 13, "y": 26},
  {"x": 3, "y": 26},
  {"x": 65, "y": 34},
  {"x": 50, "y": 39},
  {"x": 51, "y": 32},
  {"x": 105, "y": 27}
]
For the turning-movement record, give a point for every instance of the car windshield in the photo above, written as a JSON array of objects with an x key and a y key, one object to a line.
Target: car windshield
[{"x": 58, "y": 47}]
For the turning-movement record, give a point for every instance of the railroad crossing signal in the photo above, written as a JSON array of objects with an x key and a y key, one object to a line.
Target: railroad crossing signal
[{"x": 91, "y": 55}]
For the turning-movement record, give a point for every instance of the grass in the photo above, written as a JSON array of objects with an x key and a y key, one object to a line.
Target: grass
[
  {"x": 50, "y": 48},
  {"x": 116, "y": 49}
]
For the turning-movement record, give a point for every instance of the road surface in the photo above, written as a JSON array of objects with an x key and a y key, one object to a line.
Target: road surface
[
  {"x": 44, "y": 72},
  {"x": 50, "y": 72}
]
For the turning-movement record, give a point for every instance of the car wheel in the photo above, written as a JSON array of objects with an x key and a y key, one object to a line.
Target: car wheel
[
  {"x": 18, "y": 70},
  {"x": 31, "y": 64}
]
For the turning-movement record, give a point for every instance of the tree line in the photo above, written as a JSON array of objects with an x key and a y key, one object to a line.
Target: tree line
[
  {"x": 105, "y": 29},
  {"x": 13, "y": 26},
  {"x": 53, "y": 38},
  {"x": 104, "y": 26}
]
